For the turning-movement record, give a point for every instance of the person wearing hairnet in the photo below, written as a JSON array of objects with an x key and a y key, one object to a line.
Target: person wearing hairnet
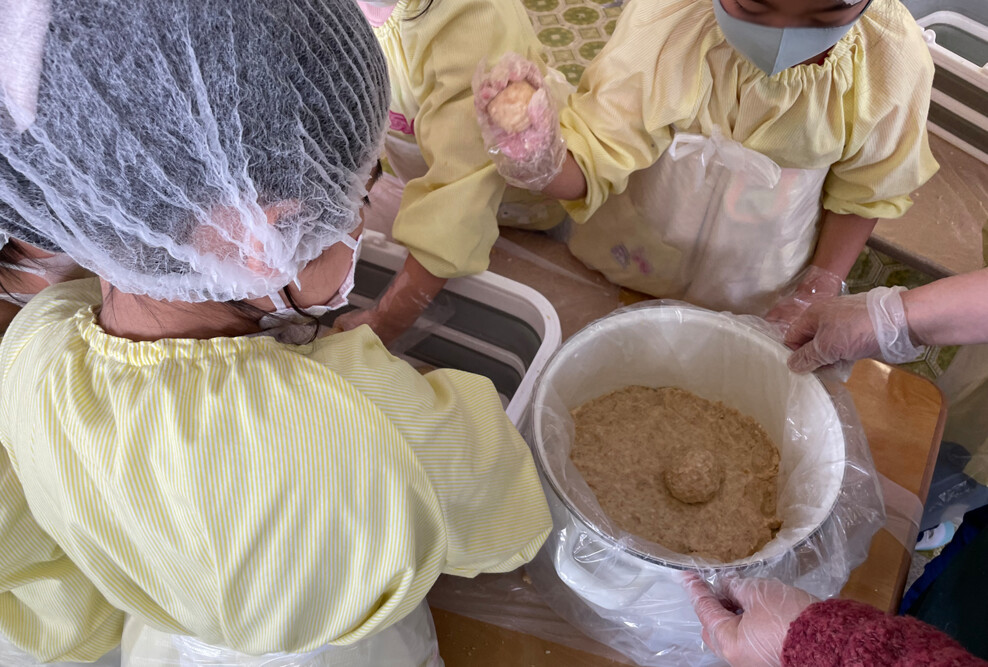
[
  {"x": 243, "y": 499},
  {"x": 25, "y": 269},
  {"x": 718, "y": 149},
  {"x": 779, "y": 624},
  {"x": 453, "y": 198}
]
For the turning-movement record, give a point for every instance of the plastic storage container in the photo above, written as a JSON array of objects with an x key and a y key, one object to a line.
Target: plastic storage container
[
  {"x": 624, "y": 590},
  {"x": 957, "y": 34},
  {"x": 495, "y": 327}
]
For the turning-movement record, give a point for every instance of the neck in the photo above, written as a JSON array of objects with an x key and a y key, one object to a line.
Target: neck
[{"x": 141, "y": 318}]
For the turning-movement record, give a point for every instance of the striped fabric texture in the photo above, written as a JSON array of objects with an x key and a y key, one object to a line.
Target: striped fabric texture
[{"x": 263, "y": 497}]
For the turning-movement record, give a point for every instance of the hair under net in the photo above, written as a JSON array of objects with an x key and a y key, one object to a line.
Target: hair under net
[{"x": 190, "y": 149}]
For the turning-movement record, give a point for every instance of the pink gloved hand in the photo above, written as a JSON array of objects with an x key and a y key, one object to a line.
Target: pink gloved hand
[
  {"x": 852, "y": 327},
  {"x": 523, "y": 139},
  {"x": 753, "y": 637},
  {"x": 813, "y": 285}
]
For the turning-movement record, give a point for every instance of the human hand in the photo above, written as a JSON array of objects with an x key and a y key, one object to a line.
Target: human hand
[
  {"x": 754, "y": 636},
  {"x": 832, "y": 331},
  {"x": 519, "y": 122},
  {"x": 852, "y": 327},
  {"x": 813, "y": 285}
]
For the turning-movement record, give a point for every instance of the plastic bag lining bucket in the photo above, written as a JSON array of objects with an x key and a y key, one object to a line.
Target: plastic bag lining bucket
[{"x": 720, "y": 358}]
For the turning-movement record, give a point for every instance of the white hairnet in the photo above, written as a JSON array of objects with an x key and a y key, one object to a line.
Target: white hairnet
[{"x": 190, "y": 149}]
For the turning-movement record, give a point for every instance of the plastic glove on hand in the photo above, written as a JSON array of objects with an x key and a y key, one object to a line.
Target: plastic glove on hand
[
  {"x": 813, "y": 285},
  {"x": 850, "y": 328},
  {"x": 519, "y": 122},
  {"x": 753, "y": 637},
  {"x": 828, "y": 332}
]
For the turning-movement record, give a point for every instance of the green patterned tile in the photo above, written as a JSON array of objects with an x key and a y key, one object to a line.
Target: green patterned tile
[
  {"x": 556, "y": 37},
  {"x": 562, "y": 56},
  {"x": 548, "y": 19},
  {"x": 581, "y": 16},
  {"x": 572, "y": 73},
  {"x": 591, "y": 49},
  {"x": 590, "y": 33},
  {"x": 610, "y": 26},
  {"x": 865, "y": 272},
  {"x": 541, "y": 5},
  {"x": 903, "y": 275},
  {"x": 945, "y": 355}
]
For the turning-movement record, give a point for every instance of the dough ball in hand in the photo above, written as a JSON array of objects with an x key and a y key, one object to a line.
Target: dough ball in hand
[
  {"x": 509, "y": 110},
  {"x": 694, "y": 476}
]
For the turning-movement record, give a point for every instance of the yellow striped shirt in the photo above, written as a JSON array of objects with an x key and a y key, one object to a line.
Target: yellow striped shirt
[
  {"x": 862, "y": 113},
  {"x": 255, "y": 495},
  {"x": 448, "y": 216}
]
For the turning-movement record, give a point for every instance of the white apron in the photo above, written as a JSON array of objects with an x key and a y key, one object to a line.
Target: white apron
[
  {"x": 711, "y": 222},
  {"x": 411, "y": 642}
]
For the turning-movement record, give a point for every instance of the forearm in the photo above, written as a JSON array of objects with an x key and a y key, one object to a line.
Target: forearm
[
  {"x": 842, "y": 238},
  {"x": 570, "y": 184},
  {"x": 951, "y": 311},
  {"x": 410, "y": 293}
]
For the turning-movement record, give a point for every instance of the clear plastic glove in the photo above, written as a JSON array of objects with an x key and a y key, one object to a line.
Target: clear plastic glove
[
  {"x": 852, "y": 327},
  {"x": 410, "y": 293},
  {"x": 386, "y": 328},
  {"x": 813, "y": 285},
  {"x": 751, "y": 636},
  {"x": 519, "y": 122}
]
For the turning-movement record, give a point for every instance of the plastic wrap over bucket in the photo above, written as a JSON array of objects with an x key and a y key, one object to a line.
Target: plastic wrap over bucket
[{"x": 624, "y": 590}]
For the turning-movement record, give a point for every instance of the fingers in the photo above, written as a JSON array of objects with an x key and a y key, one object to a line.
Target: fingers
[
  {"x": 806, "y": 359},
  {"x": 720, "y": 626},
  {"x": 804, "y": 328}
]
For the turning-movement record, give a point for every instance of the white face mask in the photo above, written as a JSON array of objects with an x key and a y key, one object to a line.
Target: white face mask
[
  {"x": 285, "y": 317},
  {"x": 775, "y": 49}
]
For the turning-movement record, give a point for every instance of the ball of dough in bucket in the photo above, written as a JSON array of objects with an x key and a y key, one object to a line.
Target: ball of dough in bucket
[
  {"x": 694, "y": 476},
  {"x": 509, "y": 110}
]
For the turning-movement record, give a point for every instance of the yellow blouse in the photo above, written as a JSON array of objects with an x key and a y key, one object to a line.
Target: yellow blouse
[
  {"x": 862, "y": 113},
  {"x": 448, "y": 217},
  {"x": 255, "y": 495}
]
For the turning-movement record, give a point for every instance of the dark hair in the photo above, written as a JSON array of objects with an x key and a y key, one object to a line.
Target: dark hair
[
  {"x": 428, "y": 5},
  {"x": 260, "y": 82},
  {"x": 9, "y": 254}
]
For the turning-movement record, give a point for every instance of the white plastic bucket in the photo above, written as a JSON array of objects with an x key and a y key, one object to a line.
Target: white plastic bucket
[{"x": 720, "y": 358}]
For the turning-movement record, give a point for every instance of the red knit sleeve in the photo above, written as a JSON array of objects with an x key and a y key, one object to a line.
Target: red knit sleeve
[{"x": 839, "y": 633}]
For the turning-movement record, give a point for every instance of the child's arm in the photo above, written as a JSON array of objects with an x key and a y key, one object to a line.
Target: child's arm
[
  {"x": 570, "y": 184},
  {"x": 406, "y": 298},
  {"x": 842, "y": 238}
]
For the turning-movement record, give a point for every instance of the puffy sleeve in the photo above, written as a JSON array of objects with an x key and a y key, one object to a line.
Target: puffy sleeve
[
  {"x": 48, "y": 608},
  {"x": 494, "y": 508},
  {"x": 887, "y": 153},
  {"x": 621, "y": 118},
  {"x": 448, "y": 217}
]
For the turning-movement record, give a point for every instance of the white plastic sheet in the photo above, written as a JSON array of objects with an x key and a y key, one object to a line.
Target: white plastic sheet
[
  {"x": 623, "y": 590},
  {"x": 411, "y": 642}
]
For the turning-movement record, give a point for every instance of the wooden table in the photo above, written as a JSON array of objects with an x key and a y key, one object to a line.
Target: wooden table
[{"x": 902, "y": 414}]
